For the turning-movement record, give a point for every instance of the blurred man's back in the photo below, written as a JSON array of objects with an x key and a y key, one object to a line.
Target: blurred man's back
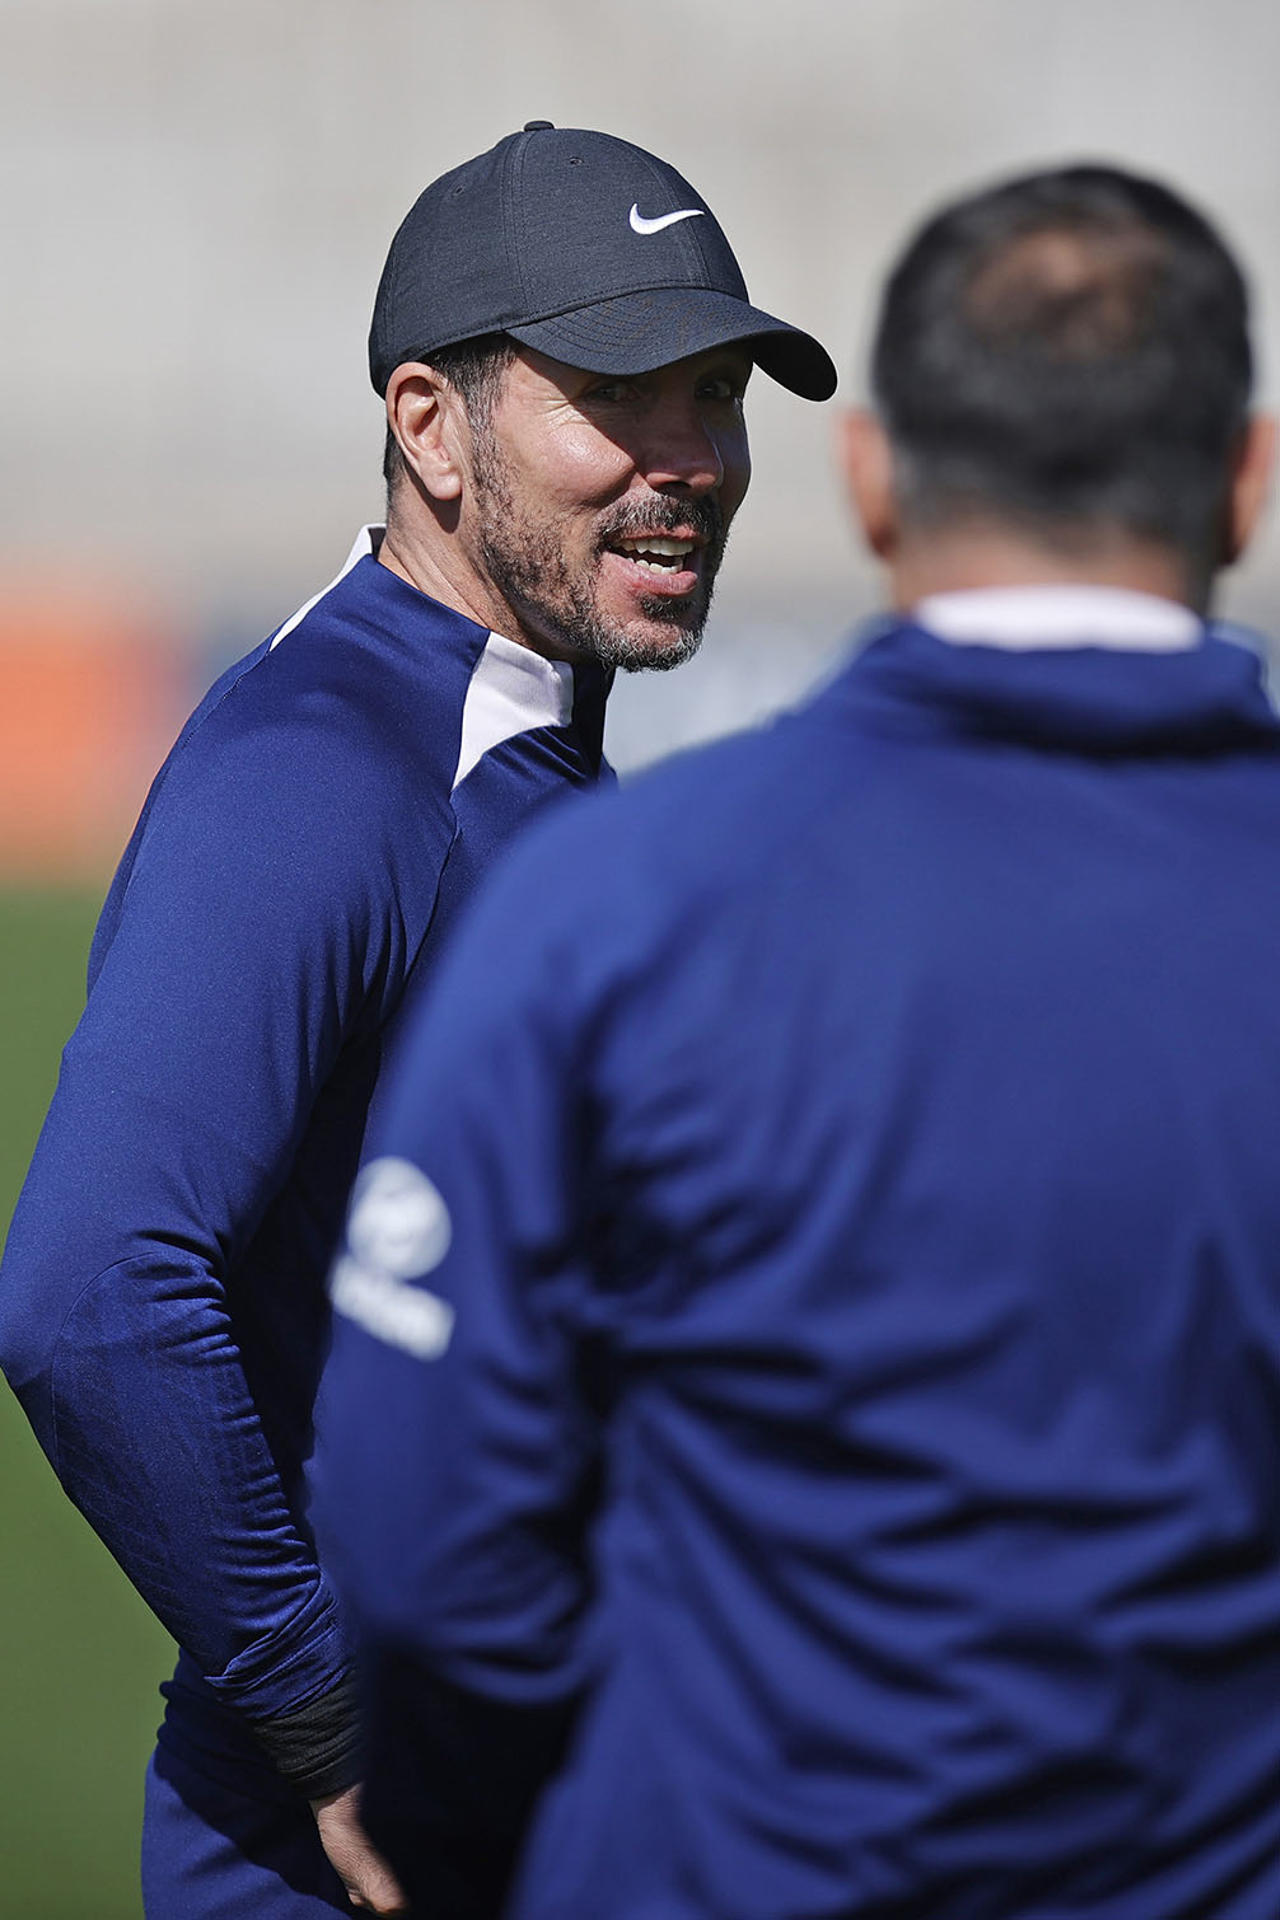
[{"x": 878, "y": 1136}]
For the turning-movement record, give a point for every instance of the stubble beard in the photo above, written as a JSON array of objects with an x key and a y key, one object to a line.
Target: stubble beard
[{"x": 525, "y": 561}]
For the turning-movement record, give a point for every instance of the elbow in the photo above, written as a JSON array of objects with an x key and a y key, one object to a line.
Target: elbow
[
  {"x": 26, "y": 1361},
  {"x": 25, "y": 1348},
  {"x": 30, "y": 1321}
]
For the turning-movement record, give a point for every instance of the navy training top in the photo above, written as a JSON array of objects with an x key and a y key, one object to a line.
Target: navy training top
[
  {"x": 821, "y": 1300},
  {"x": 162, "y": 1301}
]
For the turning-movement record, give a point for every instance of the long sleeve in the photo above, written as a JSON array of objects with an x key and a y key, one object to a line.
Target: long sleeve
[
  {"x": 457, "y": 1437},
  {"x": 248, "y": 959}
]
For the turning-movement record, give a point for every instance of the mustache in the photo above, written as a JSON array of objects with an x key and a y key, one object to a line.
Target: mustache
[{"x": 659, "y": 514}]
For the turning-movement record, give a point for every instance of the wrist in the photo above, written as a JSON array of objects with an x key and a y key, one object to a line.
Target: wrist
[{"x": 316, "y": 1747}]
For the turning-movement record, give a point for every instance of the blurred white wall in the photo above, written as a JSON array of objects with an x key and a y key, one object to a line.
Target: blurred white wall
[{"x": 197, "y": 199}]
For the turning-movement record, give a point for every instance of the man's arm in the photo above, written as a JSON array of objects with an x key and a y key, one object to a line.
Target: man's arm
[
  {"x": 458, "y": 1448},
  {"x": 249, "y": 945}
]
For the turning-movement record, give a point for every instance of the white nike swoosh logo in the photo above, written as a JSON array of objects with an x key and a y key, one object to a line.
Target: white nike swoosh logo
[{"x": 640, "y": 225}]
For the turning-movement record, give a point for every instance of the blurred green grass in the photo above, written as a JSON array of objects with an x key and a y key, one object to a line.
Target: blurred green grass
[{"x": 82, "y": 1656}]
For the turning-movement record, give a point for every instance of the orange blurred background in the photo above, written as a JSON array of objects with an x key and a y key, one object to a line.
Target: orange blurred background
[{"x": 92, "y": 689}]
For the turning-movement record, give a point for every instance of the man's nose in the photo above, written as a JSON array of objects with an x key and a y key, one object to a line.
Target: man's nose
[{"x": 682, "y": 451}]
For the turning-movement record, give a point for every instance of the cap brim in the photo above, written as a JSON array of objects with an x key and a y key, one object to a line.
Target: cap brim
[{"x": 636, "y": 332}]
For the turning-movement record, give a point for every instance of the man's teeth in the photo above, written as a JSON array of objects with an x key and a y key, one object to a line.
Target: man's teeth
[{"x": 655, "y": 551}]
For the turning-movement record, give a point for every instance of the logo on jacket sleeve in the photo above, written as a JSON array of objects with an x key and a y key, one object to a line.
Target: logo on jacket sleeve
[{"x": 398, "y": 1230}]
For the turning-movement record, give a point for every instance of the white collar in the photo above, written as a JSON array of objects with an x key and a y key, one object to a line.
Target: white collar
[{"x": 1059, "y": 616}]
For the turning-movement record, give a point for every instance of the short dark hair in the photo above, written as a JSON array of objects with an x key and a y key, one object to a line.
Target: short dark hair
[
  {"x": 1069, "y": 349},
  {"x": 475, "y": 367}
]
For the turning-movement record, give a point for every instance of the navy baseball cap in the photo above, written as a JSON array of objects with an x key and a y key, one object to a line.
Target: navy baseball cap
[{"x": 585, "y": 247}]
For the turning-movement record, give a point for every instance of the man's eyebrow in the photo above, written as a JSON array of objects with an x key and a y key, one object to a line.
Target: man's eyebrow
[
  {"x": 740, "y": 365},
  {"x": 730, "y": 354}
]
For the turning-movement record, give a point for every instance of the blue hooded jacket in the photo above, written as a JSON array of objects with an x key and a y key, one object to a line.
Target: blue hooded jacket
[{"x": 813, "y": 1314}]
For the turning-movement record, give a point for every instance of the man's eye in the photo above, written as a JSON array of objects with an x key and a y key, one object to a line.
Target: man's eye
[
  {"x": 610, "y": 392},
  {"x": 723, "y": 388}
]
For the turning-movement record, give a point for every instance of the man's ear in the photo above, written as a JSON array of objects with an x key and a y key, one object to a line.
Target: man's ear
[
  {"x": 428, "y": 420},
  {"x": 866, "y": 460},
  {"x": 1250, "y": 483}
]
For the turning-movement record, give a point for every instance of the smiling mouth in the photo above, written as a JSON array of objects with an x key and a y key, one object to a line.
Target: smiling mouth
[{"x": 659, "y": 553}]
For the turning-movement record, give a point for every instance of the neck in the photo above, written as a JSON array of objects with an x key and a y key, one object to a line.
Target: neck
[
  {"x": 960, "y": 558},
  {"x": 431, "y": 560}
]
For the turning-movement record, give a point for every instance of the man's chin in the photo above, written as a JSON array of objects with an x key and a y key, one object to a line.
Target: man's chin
[
  {"x": 651, "y": 645},
  {"x": 653, "y": 635},
  {"x": 649, "y": 635}
]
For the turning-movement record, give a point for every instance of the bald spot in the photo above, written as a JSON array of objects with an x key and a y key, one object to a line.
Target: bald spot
[{"x": 1074, "y": 293}]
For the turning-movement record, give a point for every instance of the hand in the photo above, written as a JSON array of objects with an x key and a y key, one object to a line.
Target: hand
[{"x": 366, "y": 1876}]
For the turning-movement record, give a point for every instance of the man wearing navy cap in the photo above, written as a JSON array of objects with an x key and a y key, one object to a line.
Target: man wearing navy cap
[{"x": 563, "y": 338}]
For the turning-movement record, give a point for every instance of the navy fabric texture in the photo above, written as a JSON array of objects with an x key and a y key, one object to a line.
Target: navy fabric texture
[
  {"x": 862, "y": 1400},
  {"x": 231, "y": 1846},
  {"x": 162, "y": 1306}
]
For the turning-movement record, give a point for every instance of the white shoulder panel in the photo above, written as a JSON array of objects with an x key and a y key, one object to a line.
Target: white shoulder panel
[
  {"x": 512, "y": 690},
  {"x": 366, "y": 542}
]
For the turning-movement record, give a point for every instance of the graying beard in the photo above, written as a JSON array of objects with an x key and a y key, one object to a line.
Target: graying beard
[{"x": 519, "y": 574}]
